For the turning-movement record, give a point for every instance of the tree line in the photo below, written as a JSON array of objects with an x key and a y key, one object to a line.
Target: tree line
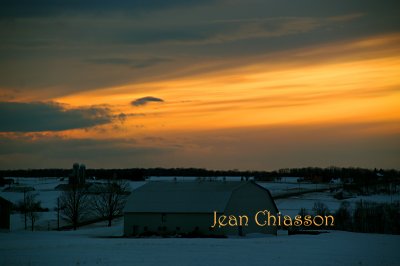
[
  {"x": 362, "y": 216},
  {"x": 309, "y": 173}
]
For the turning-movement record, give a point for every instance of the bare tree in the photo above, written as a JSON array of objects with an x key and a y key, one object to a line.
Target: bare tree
[
  {"x": 320, "y": 208},
  {"x": 30, "y": 206},
  {"x": 74, "y": 205},
  {"x": 111, "y": 199}
]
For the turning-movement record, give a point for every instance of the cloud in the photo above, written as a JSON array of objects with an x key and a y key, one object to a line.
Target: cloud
[
  {"x": 44, "y": 41},
  {"x": 40, "y": 116},
  {"x": 255, "y": 148},
  {"x": 22, "y": 151},
  {"x": 27, "y": 8},
  {"x": 130, "y": 62},
  {"x": 145, "y": 100},
  {"x": 223, "y": 31}
]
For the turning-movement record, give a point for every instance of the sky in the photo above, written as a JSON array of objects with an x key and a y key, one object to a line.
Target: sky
[{"x": 217, "y": 84}]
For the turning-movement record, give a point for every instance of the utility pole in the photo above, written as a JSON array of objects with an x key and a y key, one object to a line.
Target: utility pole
[
  {"x": 25, "y": 208},
  {"x": 58, "y": 213}
]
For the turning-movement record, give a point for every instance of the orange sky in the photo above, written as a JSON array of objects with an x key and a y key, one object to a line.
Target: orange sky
[
  {"x": 348, "y": 82},
  {"x": 243, "y": 84}
]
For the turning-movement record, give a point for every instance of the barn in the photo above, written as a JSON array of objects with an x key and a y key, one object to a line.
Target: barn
[
  {"x": 189, "y": 207},
  {"x": 5, "y": 210}
]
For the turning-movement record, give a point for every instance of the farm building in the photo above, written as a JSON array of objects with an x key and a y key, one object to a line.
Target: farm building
[
  {"x": 5, "y": 210},
  {"x": 188, "y": 207}
]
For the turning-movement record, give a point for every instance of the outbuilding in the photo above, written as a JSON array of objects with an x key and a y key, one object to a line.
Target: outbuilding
[
  {"x": 192, "y": 207},
  {"x": 5, "y": 211}
]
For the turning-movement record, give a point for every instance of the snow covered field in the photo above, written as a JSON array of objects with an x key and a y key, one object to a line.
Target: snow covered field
[
  {"x": 99, "y": 245},
  {"x": 93, "y": 246},
  {"x": 292, "y": 205}
]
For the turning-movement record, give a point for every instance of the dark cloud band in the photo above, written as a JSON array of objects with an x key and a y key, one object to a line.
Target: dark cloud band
[
  {"x": 28, "y": 8},
  {"x": 39, "y": 116}
]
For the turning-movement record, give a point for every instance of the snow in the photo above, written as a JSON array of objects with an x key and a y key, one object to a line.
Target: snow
[
  {"x": 97, "y": 245},
  {"x": 292, "y": 205},
  {"x": 280, "y": 188},
  {"x": 136, "y": 184},
  {"x": 45, "y": 188},
  {"x": 288, "y": 206}
]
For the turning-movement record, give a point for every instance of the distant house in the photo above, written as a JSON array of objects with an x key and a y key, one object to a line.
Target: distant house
[
  {"x": 186, "y": 207},
  {"x": 6, "y": 181},
  {"x": 336, "y": 181},
  {"x": 5, "y": 210}
]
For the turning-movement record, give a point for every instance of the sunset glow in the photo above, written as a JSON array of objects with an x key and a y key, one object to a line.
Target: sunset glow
[
  {"x": 357, "y": 88},
  {"x": 220, "y": 88}
]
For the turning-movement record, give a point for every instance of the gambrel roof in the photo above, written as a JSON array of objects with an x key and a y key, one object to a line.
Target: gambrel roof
[{"x": 184, "y": 197}]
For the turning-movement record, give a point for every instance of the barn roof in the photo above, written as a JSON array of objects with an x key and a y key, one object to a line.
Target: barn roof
[{"x": 178, "y": 197}]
